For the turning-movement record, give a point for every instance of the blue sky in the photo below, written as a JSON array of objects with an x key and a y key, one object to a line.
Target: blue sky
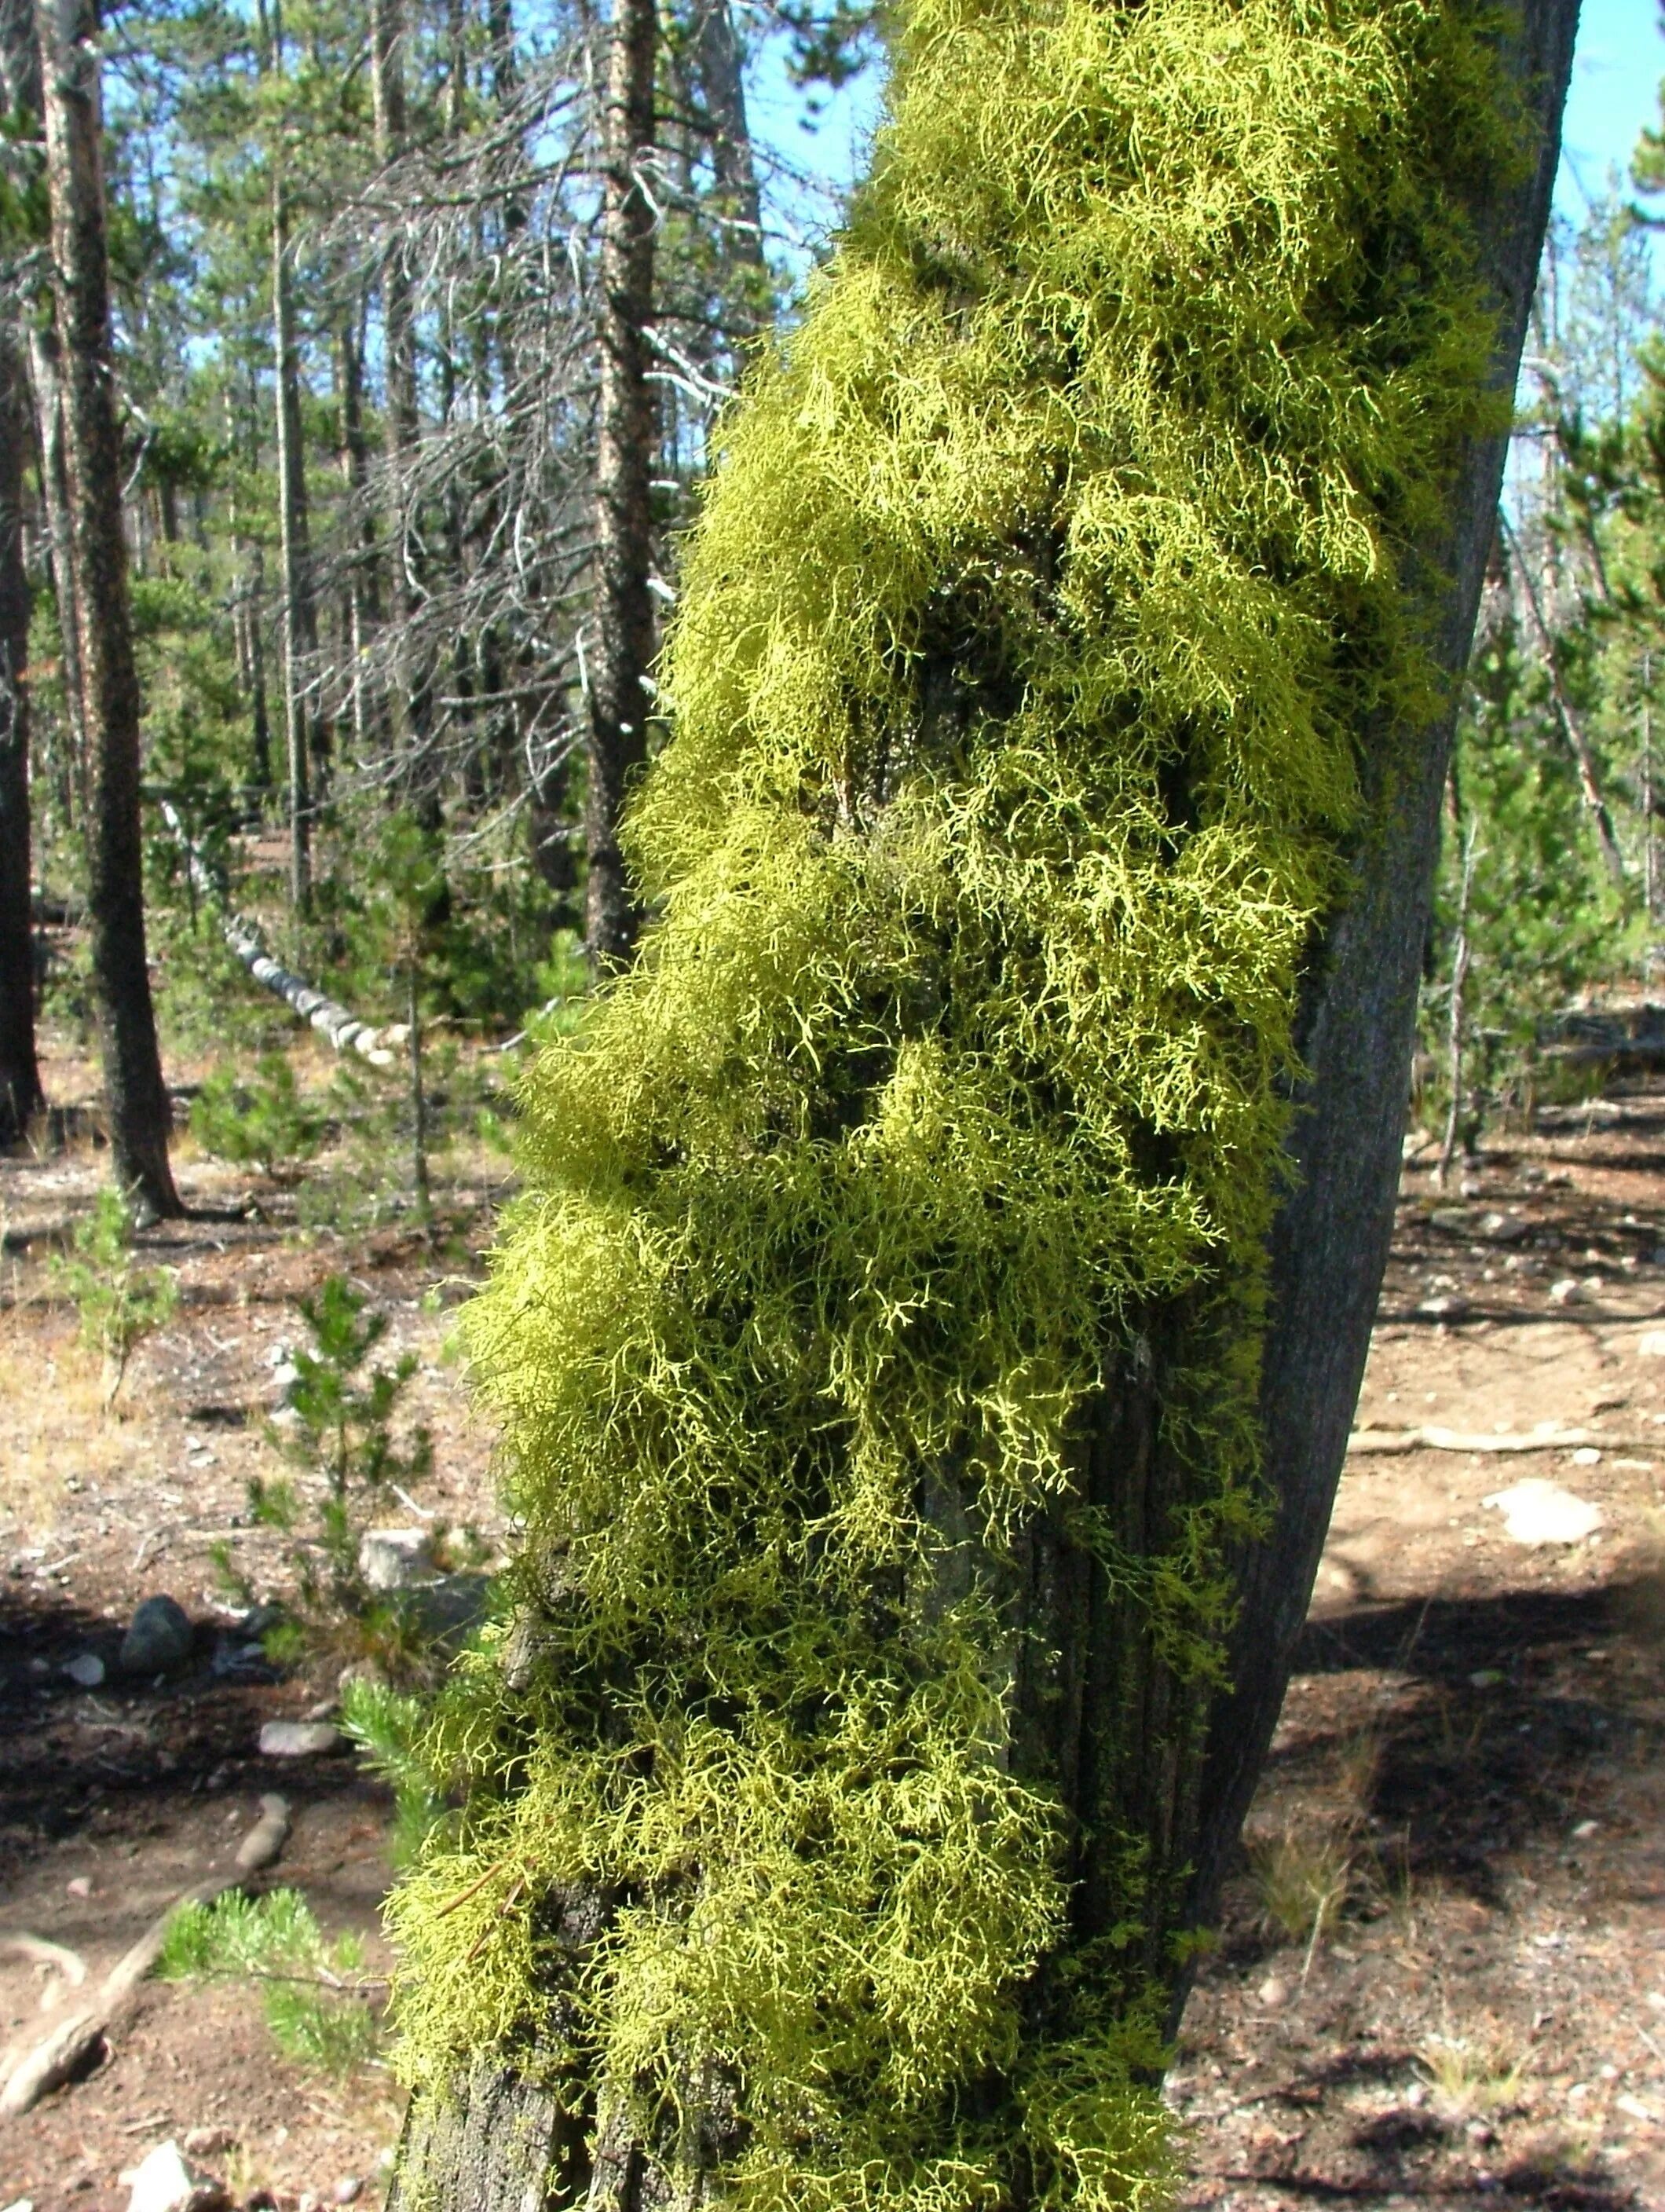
[
  {"x": 1616, "y": 70},
  {"x": 1620, "y": 61}
]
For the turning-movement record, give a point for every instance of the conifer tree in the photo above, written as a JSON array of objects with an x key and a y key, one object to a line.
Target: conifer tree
[{"x": 929, "y": 1341}]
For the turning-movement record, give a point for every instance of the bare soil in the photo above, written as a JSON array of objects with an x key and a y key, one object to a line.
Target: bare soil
[{"x": 1441, "y": 1975}]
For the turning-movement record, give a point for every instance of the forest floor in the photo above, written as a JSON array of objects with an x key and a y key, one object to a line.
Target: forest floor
[{"x": 1441, "y": 1976}]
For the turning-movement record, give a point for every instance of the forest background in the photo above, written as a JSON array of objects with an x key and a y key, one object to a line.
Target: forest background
[{"x": 422, "y": 320}]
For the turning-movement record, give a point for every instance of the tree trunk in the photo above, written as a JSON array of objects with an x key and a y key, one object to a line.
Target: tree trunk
[
  {"x": 300, "y": 612},
  {"x": 409, "y": 703},
  {"x": 719, "y": 58},
  {"x": 20, "y": 1073},
  {"x": 136, "y": 1096},
  {"x": 618, "y": 700},
  {"x": 1156, "y": 1767},
  {"x": 44, "y": 364}
]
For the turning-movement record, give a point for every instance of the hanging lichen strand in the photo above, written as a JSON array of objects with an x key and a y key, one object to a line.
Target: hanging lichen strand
[{"x": 1049, "y": 579}]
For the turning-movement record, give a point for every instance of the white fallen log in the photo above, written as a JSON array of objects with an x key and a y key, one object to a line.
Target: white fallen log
[
  {"x": 1378, "y": 1442},
  {"x": 343, "y": 1029}
]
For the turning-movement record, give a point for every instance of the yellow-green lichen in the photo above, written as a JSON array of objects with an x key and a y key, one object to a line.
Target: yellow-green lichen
[{"x": 1047, "y": 586}]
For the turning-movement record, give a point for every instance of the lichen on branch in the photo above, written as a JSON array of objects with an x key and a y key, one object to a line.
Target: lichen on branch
[{"x": 1053, "y": 577}]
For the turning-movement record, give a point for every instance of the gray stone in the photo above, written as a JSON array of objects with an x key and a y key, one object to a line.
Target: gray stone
[
  {"x": 299, "y": 1739},
  {"x": 395, "y": 1559},
  {"x": 87, "y": 1668},
  {"x": 158, "y": 1639}
]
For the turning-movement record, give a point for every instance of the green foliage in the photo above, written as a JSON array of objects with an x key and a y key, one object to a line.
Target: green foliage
[
  {"x": 264, "y": 1121},
  {"x": 562, "y": 981},
  {"x": 1048, "y": 585},
  {"x": 388, "y": 1726},
  {"x": 119, "y": 1303},
  {"x": 341, "y": 1428},
  {"x": 312, "y": 1990}
]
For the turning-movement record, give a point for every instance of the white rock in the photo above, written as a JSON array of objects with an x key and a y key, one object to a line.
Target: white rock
[
  {"x": 20, "y": 2204},
  {"x": 1273, "y": 1992},
  {"x": 167, "y": 2182},
  {"x": 1652, "y": 1343},
  {"x": 299, "y": 1739},
  {"x": 1569, "y": 1291},
  {"x": 395, "y": 1559},
  {"x": 1587, "y": 1455},
  {"x": 1540, "y": 1512},
  {"x": 87, "y": 1668}
]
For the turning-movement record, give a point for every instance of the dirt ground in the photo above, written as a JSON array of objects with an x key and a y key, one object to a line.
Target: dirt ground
[{"x": 1441, "y": 1975}]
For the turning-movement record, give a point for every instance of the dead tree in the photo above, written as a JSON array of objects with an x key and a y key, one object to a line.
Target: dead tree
[{"x": 136, "y": 1095}]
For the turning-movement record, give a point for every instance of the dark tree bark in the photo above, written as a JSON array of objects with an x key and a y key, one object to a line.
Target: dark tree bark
[
  {"x": 626, "y": 430},
  {"x": 20, "y": 1072},
  {"x": 300, "y": 630},
  {"x": 410, "y": 705},
  {"x": 136, "y": 1095},
  {"x": 1148, "y": 1759}
]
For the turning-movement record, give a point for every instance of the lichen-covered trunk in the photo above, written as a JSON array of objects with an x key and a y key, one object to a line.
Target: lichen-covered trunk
[
  {"x": 787, "y": 1300},
  {"x": 621, "y": 650},
  {"x": 136, "y": 1095},
  {"x": 20, "y": 1073}
]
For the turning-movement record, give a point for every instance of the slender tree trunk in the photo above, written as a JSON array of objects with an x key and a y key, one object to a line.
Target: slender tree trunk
[
  {"x": 44, "y": 366},
  {"x": 300, "y": 630},
  {"x": 409, "y": 704},
  {"x": 137, "y": 1096},
  {"x": 626, "y": 432},
  {"x": 720, "y": 57},
  {"x": 20, "y": 1073}
]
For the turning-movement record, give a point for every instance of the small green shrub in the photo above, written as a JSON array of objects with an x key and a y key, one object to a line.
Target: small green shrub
[
  {"x": 314, "y": 1992},
  {"x": 260, "y": 1121},
  {"x": 118, "y": 1303},
  {"x": 388, "y": 1726}
]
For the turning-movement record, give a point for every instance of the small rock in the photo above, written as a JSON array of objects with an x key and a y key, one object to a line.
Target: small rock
[
  {"x": 1504, "y": 1228},
  {"x": 166, "y": 2182},
  {"x": 1651, "y": 1345},
  {"x": 1487, "y": 1677},
  {"x": 395, "y": 1559},
  {"x": 1443, "y": 1309},
  {"x": 1540, "y": 1512},
  {"x": 1585, "y": 1828},
  {"x": 1587, "y": 1455},
  {"x": 87, "y": 1668},
  {"x": 205, "y": 2142},
  {"x": 1568, "y": 1291},
  {"x": 81, "y": 1886},
  {"x": 1417, "y": 2095},
  {"x": 1273, "y": 1992},
  {"x": 158, "y": 1639},
  {"x": 299, "y": 1739},
  {"x": 21, "y": 2205},
  {"x": 348, "y": 2190}
]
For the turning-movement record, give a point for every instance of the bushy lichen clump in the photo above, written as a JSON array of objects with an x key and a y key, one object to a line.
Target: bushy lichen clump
[{"x": 1050, "y": 578}]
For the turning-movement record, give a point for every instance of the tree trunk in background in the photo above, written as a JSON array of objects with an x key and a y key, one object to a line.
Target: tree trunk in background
[
  {"x": 55, "y": 489},
  {"x": 719, "y": 58},
  {"x": 618, "y": 701},
  {"x": 1179, "y": 1763},
  {"x": 136, "y": 1095},
  {"x": 300, "y": 613},
  {"x": 20, "y": 1073},
  {"x": 400, "y": 418}
]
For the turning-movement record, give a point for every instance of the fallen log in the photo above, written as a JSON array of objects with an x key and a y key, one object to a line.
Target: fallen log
[
  {"x": 68, "y": 2046},
  {"x": 343, "y": 1029},
  {"x": 1381, "y": 1442}
]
